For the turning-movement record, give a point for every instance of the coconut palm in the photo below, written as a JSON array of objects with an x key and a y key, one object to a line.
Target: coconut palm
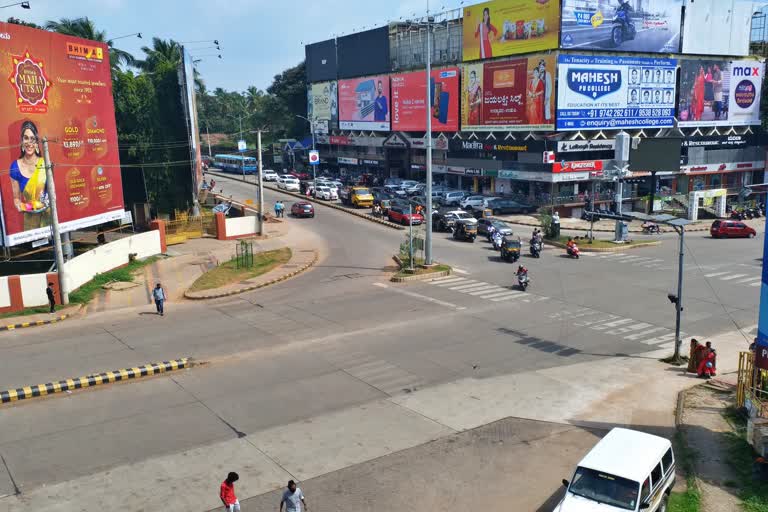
[
  {"x": 163, "y": 54},
  {"x": 86, "y": 29}
]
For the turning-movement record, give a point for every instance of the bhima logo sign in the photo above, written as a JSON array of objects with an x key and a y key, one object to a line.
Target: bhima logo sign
[
  {"x": 592, "y": 83},
  {"x": 85, "y": 52},
  {"x": 31, "y": 84}
]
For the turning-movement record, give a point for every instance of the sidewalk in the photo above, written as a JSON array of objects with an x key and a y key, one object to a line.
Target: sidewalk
[
  {"x": 637, "y": 391},
  {"x": 11, "y": 323}
]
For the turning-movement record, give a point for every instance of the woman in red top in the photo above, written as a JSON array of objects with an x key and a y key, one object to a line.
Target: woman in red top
[
  {"x": 698, "y": 95},
  {"x": 484, "y": 29},
  {"x": 227, "y": 493}
]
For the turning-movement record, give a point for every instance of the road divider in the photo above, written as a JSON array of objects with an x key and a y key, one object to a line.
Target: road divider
[{"x": 96, "y": 379}]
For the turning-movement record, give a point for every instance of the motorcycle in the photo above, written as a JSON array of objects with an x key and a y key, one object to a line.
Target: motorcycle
[
  {"x": 737, "y": 215},
  {"x": 523, "y": 281},
  {"x": 573, "y": 252},
  {"x": 650, "y": 228},
  {"x": 754, "y": 212},
  {"x": 535, "y": 248},
  {"x": 491, "y": 231},
  {"x": 623, "y": 28},
  {"x": 497, "y": 238}
]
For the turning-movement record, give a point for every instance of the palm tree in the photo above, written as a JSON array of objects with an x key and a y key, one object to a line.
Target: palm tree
[
  {"x": 86, "y": 29},
  {"x": 164, "y": 54}
]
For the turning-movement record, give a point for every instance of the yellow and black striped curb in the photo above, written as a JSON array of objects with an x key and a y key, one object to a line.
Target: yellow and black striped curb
[
  {"x": 618, "y": 248},
  {"x": 420, "y": 277},
  {"x": 218, "y": 295},
  {"x": 13, "y": 395},
  {"x": 23, "y": 325}
]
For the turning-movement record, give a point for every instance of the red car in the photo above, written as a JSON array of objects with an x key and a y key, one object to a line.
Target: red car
[
  {"x": 400, "y": 215},
  {"x": 303, "y": 209},
  {"x": 301, "y": 176},
  {"x": 730, "y": 229}
]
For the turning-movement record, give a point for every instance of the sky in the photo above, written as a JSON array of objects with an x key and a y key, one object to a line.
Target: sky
[{"x": 258, "y": 38}]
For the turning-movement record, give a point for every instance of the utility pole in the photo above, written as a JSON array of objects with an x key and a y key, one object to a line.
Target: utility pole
[
  {"x": 621, "y": 154},
  {"x": 57, "y": 249},
  {"x": 260, "y": 185},
  {"x": 428, "y": 188},
  {"x": 679, "y": 301}
]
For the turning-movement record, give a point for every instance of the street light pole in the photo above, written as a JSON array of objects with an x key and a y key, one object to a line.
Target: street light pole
[
  {"x": 261, "y": 186},
  {"x": 24, "y": 5},
  {"x": 57, "y": 249},
  {"x": 428, "y": 188},
  {"x": 679, "y": 302}
]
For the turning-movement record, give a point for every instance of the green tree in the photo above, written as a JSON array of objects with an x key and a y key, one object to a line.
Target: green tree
[
  {"x": 290, "y": 88},
  {"x": 162, "y": 55},
  {"x": 17, "y": 21}
]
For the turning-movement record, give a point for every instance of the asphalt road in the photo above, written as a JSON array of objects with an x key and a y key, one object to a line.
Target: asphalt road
[{"x": 341, "y": 335}]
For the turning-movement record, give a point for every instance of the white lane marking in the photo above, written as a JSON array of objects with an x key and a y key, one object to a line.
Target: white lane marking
[
  {"x": 445, "y": 278},
  {"x": 495, "y": 293},
  {"x": 612, "y": 255},
  {"x": 715, "y": 274},
  {"x": 614, "y": 323},
  {"x": 759, "y": 283},
  {"x": 420, "y": 296},
  {"x": 732, "y": 276},
  {"x": 466, "y": 286},
  {"x": 507, "y": 296},
  {"x": 484, "y": 289},
  {"x": 641, "y": 261},
  {"x": 629, "y": 328},
  {"x": 457, "y": 281},
  {"x": 749, "y": 279},
  {"x": 635, "y": 337},
  {"x": 626, "y": 258},
  {"x": 460, "y": 271}
]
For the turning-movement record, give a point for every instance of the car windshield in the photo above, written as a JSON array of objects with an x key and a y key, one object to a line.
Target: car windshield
[
  {"x": 500, "y": 225},
  {"x": 362, "y": 191},
  {"x": 464, "y": 215},
  {"x": 604, "y": 488}
]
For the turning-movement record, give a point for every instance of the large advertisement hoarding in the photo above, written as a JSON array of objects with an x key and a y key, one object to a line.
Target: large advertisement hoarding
[
  {"x": 720, "y": 92},
  {"x": 324, "y": 106},
  {"x": 599, "y": 92},
  {"x": 409, "y": 97},
  {"x": 651, "y": 26},
  {"x": 321, "y": 61},
  {"x": 510, "y": 27},
  {"x": 364, "y": 103},
  {"x": 514, "y": 94},
  {"x": 363, "y": 53},
  {"x": 59, "y": 87},
  {"x": 724, "y": 33},
  {"x": 189, "y": 101}
]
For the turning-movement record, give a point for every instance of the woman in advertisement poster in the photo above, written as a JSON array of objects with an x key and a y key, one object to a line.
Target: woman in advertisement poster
[
  {"x": 483, "y": 32},
  {"x": 546, "y": 79},
  {"x": 697, "y": 96},
  {"x": 28, "y": 180},
  {"x": 535, "y": 104},
  {"x": 475, "y": 93}
]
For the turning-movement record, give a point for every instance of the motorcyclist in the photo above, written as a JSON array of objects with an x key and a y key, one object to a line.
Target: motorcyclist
[
  {"x": 571, "y": 245},
  {"x": 521, "y": 270},
  {"x": 623, "y": 6}
]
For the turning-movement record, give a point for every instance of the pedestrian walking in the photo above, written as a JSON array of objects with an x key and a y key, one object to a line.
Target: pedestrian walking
[
  {"x": 281, "y": 209},
  {"x": 227, "y": 493},
  {"x": 159, "y": 295},
  {"x": 277, "y": 208},
  {"x": 293, "y": 498},
  {"x": 51, "y": 297}
]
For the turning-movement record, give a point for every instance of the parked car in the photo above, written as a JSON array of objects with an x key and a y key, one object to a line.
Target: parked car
[
  {"x": 472, "y": 202},
  {"x": 730, "y": 229},
  {"x": 327, "y": 193},
  {"x": 445, "y": 220},
  {"x": 268, "y": 175},
  {"x": 507, "y": 206},
  {"x": 396, "y": 190},
  {"x": 288, "y": 182},
  {"x": 452, "y": 198},
  {"x": 359, "y": 197},
  {"x": 484, "y": 226},
  {"x": 301, "y": 175},
  {"x": 303, "y": 209},
  {"x": 625, "y": 470},
  {"x": 400, "y": 215}
]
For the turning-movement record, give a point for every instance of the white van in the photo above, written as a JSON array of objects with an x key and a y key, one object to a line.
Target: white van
[{"x": 626, "y": 470}]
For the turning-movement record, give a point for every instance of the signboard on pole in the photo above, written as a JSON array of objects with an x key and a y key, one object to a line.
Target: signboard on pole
[
  {"x": 607, "y": 92},
  {"x": 242, "y": 146},
  {"x": 314, "y": 157}
]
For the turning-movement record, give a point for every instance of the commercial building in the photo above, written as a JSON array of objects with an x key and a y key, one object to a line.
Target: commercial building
[{"x": 527, "y": 97}]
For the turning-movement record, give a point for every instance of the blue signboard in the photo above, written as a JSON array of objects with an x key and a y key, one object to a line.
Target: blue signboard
[{"x": 606, "y": 92}]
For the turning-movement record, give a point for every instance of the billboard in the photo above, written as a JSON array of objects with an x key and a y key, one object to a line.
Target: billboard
[
  {"x": 599, "y": 92},
  {"x": 60, "y": 87},
  {"x": 724, "y": 33},
  {"x": 321, "y": 61},
  {"x": 189, "y": 103},
  {"x": 651, "y": 26},
  {"x": 409, "y": 95},
  {"x": 363, "y": 53},
  {"x": 514, "y": 94},
  {"x": 324, "y": 106},
  {"x": 509, "y": 27},
  {"x": 364, "y": 103},
  {"x": 719, "y": 92}
]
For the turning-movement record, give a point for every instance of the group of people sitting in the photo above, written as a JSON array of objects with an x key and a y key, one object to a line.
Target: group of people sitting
[{"x": 702, "y": 360}]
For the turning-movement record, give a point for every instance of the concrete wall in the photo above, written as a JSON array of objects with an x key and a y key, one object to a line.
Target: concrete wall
[
  {"x": 83, "y": 268},
  {"x": 33, "y": 289},
  {"x": 241, "y": 226}
]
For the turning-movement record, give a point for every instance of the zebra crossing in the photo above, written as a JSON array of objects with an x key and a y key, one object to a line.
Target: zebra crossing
[
  {"x": 736, "y": 278},
  {"x": 630, "y": 259},
  {"x": 622, "y": 327},
  {"x": 378, "y": 373},
  {"x": 482, "y": 290}
]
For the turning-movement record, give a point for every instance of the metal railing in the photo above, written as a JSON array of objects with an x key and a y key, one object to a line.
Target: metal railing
[{"x": 186, "y": 226}]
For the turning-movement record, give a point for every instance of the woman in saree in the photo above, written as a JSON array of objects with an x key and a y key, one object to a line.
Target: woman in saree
[
  {"x": 28, "y": 180},
  {"x": 535, "y": 105},
  {"x": 698, "y": 95},
  {"x": 475, "y": 94}
]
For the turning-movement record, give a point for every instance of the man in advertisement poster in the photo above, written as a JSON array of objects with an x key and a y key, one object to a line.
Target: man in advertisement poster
[
  {"x": 717, "y": 90},
  {"x": 380, "y": 108},
  {"x": 547, "y": 79}
]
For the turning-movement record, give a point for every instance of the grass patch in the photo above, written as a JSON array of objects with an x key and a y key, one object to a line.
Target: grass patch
[
  {"x": 583, "y": 242},
  {"x": 27, "y": 311},
  {"x": 85, "y": 293},
  {"x": 420, "y": 270},
  {"x": 752, "y": 487},
  {"x": 228, "y": 273},
  {"x": 690, "y": 499}
]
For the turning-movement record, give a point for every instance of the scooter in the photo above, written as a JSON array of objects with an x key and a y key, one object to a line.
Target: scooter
[
  {"x": 651, "y": 228},
  {"x": 523, "y": 281},
  {"x": 573, "y": 252},
  {"x": 497, "y": 238},
  {"x": 223, "y": 208},
  {"x": 535, "y": 248},
  {"x": 623, "y": 28}
]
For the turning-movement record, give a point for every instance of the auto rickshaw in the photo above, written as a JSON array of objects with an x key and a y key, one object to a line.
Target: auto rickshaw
[
  {"x": 510, "y": 249},
  {"x": 465, "y": 229}
]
